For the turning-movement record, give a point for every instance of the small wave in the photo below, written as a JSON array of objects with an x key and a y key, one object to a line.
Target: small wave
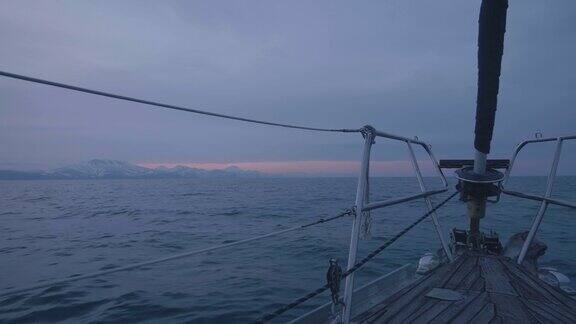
[
  {"x": 59, "y": 313},
  {"x": 176, "y": 295},
  {"x": 12, "y": 300},
  {"x": 172, "y": 246},
  {"x": 140, "y": 312},
  {"x": 11, "y": 249},
  {"x": 134, "y": 295},
  {"x": 108, "y": 267},
  {"x": 62, "y": 298},
  {"x": 232, "y": 213},
  {"x": 10, "y": 213},
  {"x": 38, "y": 199},
  {"x": 192, "y": 194}
]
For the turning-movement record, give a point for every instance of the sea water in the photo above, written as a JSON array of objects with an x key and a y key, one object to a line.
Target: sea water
[{"x": 56, "y": 229}]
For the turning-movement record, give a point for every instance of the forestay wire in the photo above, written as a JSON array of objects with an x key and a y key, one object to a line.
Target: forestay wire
[
  {"x": 168, "y": 106},
  {"x": 172, "y": 257},
  {"x": 357, "y": 266}
]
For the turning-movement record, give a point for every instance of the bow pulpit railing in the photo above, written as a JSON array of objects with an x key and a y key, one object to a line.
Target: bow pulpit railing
[
  {"x": 363, "y": 204},
  {"x": 547, "y": 198}
]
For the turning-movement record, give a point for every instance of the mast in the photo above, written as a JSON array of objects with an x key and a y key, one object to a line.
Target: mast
[{"x": 492, "y": 26}]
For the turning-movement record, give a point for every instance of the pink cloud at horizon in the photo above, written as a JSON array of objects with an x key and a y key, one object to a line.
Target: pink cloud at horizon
[{"x": 400, "y": 168}]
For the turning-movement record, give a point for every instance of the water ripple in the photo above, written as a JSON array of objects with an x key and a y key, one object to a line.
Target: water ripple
[{"x": 56, "y": 229}]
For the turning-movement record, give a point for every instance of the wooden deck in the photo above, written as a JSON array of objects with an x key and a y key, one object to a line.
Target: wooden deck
[{"x": 478, "y": 289}]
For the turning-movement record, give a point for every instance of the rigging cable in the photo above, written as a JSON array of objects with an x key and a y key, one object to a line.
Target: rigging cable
[
  {"x": 168, "y": 106},
  {"x": 172, "y": 257},
  {"x": 357, "y": 266}
]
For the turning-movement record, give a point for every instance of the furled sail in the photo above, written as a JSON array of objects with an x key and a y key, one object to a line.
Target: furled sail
[{"x": 492, "y": 25}]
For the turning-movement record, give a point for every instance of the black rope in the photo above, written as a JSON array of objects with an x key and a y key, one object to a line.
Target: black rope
[
  {"x": 357, "y": 266},
  {"x": 163, "y": 105},
  {"x": 346, "y": 212},
  {"x": 396, "y": 237}
]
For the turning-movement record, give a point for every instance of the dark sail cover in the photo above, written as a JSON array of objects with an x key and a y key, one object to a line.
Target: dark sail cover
[{"x": 492, "y": 25}]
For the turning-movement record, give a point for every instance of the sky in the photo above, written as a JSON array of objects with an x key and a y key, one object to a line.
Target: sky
[{"x": 405, "y": 67}]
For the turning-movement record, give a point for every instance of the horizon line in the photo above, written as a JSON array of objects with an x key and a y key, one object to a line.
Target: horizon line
[{"x": 347, "y": 168}]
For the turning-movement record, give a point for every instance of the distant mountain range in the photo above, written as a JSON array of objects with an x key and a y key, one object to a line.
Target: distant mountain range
[{"x": 112, "y": 169}]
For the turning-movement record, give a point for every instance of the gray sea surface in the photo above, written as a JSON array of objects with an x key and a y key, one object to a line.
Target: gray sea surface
[{"x": 56, "y": 229}]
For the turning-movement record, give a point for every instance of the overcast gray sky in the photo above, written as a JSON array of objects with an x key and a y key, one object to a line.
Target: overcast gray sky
[{"x": 406, "y": 67}]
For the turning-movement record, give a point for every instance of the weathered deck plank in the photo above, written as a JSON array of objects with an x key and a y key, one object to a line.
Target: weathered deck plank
[
  {"x": 550, "y": 311},
  {"x": 494, "y": 290},
  {"x": 456, "y": 308},
  {"x": 465, "y": 271},
  {"x": 467, "y": 313},
  {"x": 407, "y": 295},
  {"x": 495, "y": 278},
  {"x": 429, "y": 306},
  {"x": 431, "y": 313},
  {"x": 552, "y": 294},
  {"x": 485, "y": 315},
  {"x": 472, "y": 277},
  {"x": 479, "y": 284},
  {"x": 381, "y": 308},
  {"x": 510, "y": 309}
]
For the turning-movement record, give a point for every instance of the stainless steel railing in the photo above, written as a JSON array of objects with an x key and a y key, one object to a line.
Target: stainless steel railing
[
  {"x": 364, "y": 205},
  {"x": 546, "y": 199}
]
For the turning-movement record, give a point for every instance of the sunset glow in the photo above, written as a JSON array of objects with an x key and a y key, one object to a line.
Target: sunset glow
[{"x": 389, "y": 168}]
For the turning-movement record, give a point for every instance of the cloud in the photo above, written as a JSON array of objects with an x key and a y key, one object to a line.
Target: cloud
[{"x": 405, "y": 67}]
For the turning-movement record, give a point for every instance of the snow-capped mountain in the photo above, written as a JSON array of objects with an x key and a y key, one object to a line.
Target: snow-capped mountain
[
  {"x": 100, "y": 168},
  {"x": 236, "y": 171},
  {"x": 113, "y": 169},
  {"x": 182, "y": 171}
]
